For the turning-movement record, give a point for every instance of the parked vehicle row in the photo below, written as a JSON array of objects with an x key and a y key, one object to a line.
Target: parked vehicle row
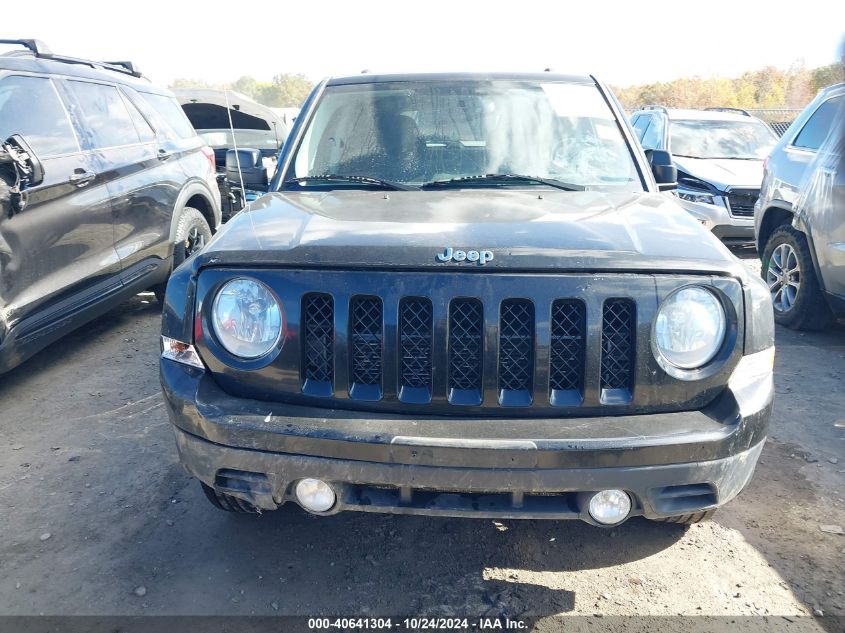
[
  {"x": 111, "y": 190},
  {"x": 726, "y": 158}
]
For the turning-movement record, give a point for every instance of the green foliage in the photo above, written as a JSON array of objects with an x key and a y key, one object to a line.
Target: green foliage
[
  {"x": 769, "y": 87},
  {"x": 284, "y": 91}
]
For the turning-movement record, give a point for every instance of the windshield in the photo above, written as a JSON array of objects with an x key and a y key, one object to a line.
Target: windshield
[
  {"x": 721, "y": 139},
  {"x": 255, "y": 139},
  {"x": 420, "y": 132}
]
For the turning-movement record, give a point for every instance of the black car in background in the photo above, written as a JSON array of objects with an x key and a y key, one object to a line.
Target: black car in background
[{"x": 104, "y": 185}]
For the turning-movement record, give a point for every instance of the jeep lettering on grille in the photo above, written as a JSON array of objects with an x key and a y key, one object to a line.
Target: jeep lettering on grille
[{"x": 448, "y": 254}]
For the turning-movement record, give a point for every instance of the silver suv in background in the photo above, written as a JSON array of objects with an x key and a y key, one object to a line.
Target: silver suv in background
[
  {"x": 800, "y": 216},
  {"x": 719, "y": 154}
]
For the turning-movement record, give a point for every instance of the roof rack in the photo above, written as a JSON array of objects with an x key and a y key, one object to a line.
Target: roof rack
[
  {"x": 654, "y": 107},
  {"x": 36, "y": 46},
  {"x": 737, "y": 110},
  {"x": 40, "y": 50}
]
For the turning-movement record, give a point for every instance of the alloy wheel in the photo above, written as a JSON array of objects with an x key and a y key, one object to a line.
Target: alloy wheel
[
  {"x": 194, "y": 241},
  {"x": 783, "y": 277}
]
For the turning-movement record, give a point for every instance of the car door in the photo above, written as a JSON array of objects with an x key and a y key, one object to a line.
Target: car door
[
  {"x": 818, "y": 151},
  {"x": 57, "y": 255},
  {"x": 800, "y": 152},
  {"x": 143, "y": 182}
]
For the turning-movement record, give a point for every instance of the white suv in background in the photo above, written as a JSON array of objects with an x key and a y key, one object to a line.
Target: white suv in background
[{"x": 719, "y": 154}]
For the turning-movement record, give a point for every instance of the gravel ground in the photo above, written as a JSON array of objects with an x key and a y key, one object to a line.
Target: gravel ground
[{"x": 99, "y": 519}]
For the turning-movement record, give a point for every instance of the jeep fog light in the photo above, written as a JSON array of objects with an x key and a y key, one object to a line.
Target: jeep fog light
[
  {"x": 180, "y": 352},
  {"x": 610, "y": 507},
  {"x": 315, "y": 495}
]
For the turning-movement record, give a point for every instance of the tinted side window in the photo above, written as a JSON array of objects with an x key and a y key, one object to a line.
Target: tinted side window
[
  {"x": 143, "y": 128},
  {"x": 106, "y": 118},
  {"x": 653, "y": 137},
  {"x": 817, "y": 127},
  {"x": 30, "y": 106},
  {"x": 169, "y": 111},
  {"x": 640, "y": 126}
]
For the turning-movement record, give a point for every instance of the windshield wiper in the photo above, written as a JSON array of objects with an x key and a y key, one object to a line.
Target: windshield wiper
[
  {"x": 549, "y": 182},
  {"x": 358, "y": 180}
]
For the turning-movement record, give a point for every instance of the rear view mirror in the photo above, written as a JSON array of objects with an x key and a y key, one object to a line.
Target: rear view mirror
[
  {"x": 664, "y": 170},
  {"x": 247, "y": 166}
]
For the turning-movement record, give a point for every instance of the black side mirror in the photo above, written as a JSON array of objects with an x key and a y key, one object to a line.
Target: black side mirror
[
  {"x": 20, "y": 169},
  {"x": 246, "y": 165},
  {"x": 664, "y": 170},
  {"x": 32, "y": 171}
]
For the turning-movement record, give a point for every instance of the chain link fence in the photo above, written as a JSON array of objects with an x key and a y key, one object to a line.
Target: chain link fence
[{"x": 779, "y": 119}]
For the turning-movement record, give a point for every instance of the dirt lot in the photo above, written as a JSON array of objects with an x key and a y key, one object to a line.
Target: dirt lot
[{"x": 98, "y": 518}]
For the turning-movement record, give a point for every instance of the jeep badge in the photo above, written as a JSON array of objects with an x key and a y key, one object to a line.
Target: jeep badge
[{"x": 482, "y": 257}]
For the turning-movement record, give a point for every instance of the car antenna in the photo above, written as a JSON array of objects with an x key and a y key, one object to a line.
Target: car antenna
[{"x": 235, "y": 146}]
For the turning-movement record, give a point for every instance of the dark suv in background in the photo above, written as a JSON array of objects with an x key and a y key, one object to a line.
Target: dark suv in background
[
  {"x": 104, "y": 185},
  {"x": 800, "y": 216}
]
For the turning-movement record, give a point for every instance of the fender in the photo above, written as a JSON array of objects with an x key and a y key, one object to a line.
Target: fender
[
  {"x": 799, "y": 223},
  {"x": 192, "y": 188}
]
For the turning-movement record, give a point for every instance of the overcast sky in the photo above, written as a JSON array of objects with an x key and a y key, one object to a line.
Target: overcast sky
[{"x": 622, "y": 43}]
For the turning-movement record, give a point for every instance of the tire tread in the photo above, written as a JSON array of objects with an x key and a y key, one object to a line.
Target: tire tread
[{"x": 811, "y": 311}]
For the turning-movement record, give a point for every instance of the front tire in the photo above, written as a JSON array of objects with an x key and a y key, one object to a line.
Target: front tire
[
  {"x": 788, "y": 271},
  {"x": 192, "y": 234}
]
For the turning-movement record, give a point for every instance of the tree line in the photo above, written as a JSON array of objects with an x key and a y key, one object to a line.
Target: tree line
[
  {"x": 769, "y": 87},
  {"x": 286, "y": 90}
]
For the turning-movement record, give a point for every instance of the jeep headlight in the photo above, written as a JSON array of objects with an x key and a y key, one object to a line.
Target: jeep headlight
[
  {"x": 247, "y": 319},
  {"x": 690, "y": 327}
]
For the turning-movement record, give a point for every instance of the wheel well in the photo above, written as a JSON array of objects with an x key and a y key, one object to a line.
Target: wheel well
[
  {"x": 201, "y": 204},
  {"x": 772, "y": 219}
]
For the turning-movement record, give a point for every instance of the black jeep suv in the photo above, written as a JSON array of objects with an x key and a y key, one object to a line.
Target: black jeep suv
[
  {"x": 465, "y": 295},
  {"x": 104, "y": 189}
]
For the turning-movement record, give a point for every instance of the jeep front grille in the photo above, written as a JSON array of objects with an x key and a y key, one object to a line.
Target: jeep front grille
[
  {"x": 525, "y": 371},
  {"x": 741, "y": 202}
]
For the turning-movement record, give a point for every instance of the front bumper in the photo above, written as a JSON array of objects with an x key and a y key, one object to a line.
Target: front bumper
[
  {"x": 720, "y": 222},
  {"x": 670, "y": 463}
]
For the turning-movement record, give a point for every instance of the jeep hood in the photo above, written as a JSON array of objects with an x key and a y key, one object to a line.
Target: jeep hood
[
  {"x": 537, "y": 230},
  {"x": 722, "y": 172}
]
